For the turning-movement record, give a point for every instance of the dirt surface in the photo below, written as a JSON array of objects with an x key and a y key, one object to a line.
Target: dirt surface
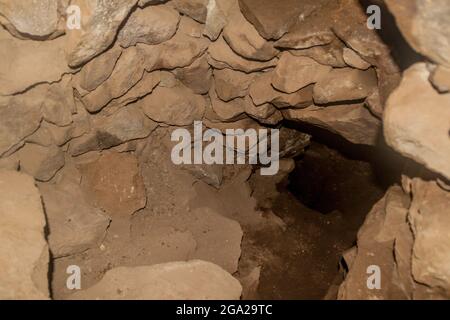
[{"x": 301, "y": 261}]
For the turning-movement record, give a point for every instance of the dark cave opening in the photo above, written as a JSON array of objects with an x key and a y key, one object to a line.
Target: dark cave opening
[{"x": 323, "y": 202}]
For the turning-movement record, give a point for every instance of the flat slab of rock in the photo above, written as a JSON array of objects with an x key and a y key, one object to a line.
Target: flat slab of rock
[
  {"x": 192, "y": 280},
  {"x": 20, "y": 116},
  {"x": 345, "y": 84},
  {"x": 196, "y": 9},
  {"x": 272, "y": 19},
  {"x": 151, "y": 25},
  {"x": 174, "y": 106},
  {"x": 126, "y": 124},
  {"x": 24, "y": 255},
  {"x": 261, "y": 91},
  {"x": 100, "y": 22},
  {"x": 30, "y": 19},
  {"x": 221, "y": 56},
  {"x": 232, "y": 84},
  {"x": 113, "y": 183},
  {"x": 417, "y": 121},
  {"x": 243, "y": 38},
  {"x": 432, "y": 19},
  {"x": 26, "y": 63},
  {"x": 353, "y": 122},
  {"x": 41, "y": 162},
  {"x": 74, "y": 225},
  {"x": 294, "y": 73}
]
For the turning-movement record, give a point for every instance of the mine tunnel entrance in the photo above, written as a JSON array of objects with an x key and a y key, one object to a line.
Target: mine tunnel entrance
[{"x": 322, "y": 202}]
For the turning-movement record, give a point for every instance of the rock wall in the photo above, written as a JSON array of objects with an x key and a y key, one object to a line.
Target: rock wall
[
  {"x": 407, "y": 232},
  {"x": 83, "y": 110}
]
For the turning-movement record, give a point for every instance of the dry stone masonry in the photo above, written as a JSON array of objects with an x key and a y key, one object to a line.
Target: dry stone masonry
[{"x": 86, "y": 116}]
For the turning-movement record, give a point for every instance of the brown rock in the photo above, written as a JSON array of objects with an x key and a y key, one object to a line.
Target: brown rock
[
  {"x": 330, "y": 54},
  {"x": 174, "y": 106},
  {"x": 35, "y": 19},
  {"x": 26, "y": 63},
  {"x": 221, "y": 56},
  {"x": 100, "y": 22},
  {"x": 59, "y": 104},
  {"x": 24, "y": 253},
  {"x": 312, "y": 28},
  {"x": 271, "y": 19},
  {"x": 430, "y": 221},
  {"x": 440, "y": 78},
  {"x": 178, "y": 52},
  {"x": 197, "y": 76},
  {"x": 74, "y": 225},
  {"x": 431, "y": 18},
  {"x": 193, "y": 280},
  {"x": 126, "y": 124},
  {"x": 354, "y": 60},
  {"x": 345, "y": 85},
  {"x": 232, "y": 84},
  {"x": 114, "y": 184},
  {"x": 376, "y": 238},
  {"x": 417, "y": 121},
  {"x": 152, "y": 25},
  {"x": 260, "y": 112},
  {"x": 127, "y": 72},
  {"x": 41, "y": 162},
  {"x": 243, "y": 38},
  {"x": 353, "y": 122},
  {"x": 294, "y": 73},
  {"x": 20, "y": 116},
  {"x": 226, "y": 111},
  {"x": 196, "y": 9},
  {"x": 95, "y": 72},
  {"x": 217, "y": 17},
  {"x": 262, "y": 91}
]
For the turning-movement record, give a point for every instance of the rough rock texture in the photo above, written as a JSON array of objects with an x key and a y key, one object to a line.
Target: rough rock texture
[
  {"x": 417, "y": 121},
  {"x": 74, "y": 225},
  {"x": 353, "y": 122},
  {"x": 114, "y": 184},
  {"x": 196, "y": 9},
  {"x": 128, "y": 123},
  {"x": 294, "y": 73},
  {"x": 100, "y": 22},
  {"x": 425, "y": 25},
  {"x": 197, "y": 76},
  {"x": 243, "y": 38},
  {"x": 24, "y": 253},
  {"x": 221, "y": 56},
  {"x": 173, "y": 106},
  {"x": 344, "y": 85},
  {"x": 20, "y": 116},
  {"x": 41, "y": 162},
  {"x": 127, "y": 72},
  {"x": 26, "y": 63},
  {"x": 193, "y": 280},
  {"x": 151, "y": 25},
  {"x": 440, "y": 78},
  {"x": 271, "y": 19},
  {"x": 232, "y": 84},
  {"x": 30, "y": 19}
]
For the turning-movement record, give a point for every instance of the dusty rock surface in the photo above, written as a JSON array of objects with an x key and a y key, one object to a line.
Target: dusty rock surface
[
  {"x": 196, "y": 280},
  {"x": 24, "y": 255}
]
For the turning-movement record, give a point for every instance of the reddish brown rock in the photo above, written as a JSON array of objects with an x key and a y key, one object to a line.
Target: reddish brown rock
[{"x": 114, "y": 184}]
